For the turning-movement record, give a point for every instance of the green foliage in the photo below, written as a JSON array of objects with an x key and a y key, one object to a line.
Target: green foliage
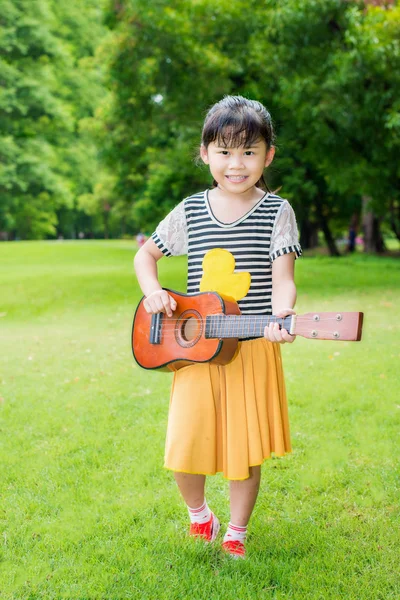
[
  {"x": 342, "y": 91},
  {"x": 50, "y": 83},
  {"x": 28, "y": 109},
  {"x": 167, "y": 65},
  {"x": 328, "y": 71},
  {"x": 117, "y": 92}
]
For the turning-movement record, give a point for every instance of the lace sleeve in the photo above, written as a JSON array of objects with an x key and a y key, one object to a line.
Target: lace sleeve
[
  {"x": 285, "y": 237},
  {"x": 171, "y": 234}
]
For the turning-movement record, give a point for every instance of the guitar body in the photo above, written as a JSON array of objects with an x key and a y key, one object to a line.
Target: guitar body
[{"x": 170, "y": 343}]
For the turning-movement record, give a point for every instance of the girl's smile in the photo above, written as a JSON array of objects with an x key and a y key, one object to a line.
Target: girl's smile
[
  {"x": 237, "y": 178},
  {"x": 237, "y": 170}
]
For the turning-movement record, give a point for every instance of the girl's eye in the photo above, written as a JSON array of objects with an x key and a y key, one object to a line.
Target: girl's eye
[
  {"x": 224, "y": 152},
  {"x": 249, "y": 152}
]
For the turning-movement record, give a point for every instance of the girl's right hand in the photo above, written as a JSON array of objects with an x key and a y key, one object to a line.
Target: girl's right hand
[{"x": 159, "y": 301}]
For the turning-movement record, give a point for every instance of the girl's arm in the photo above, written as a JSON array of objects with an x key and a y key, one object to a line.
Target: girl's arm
[
  {"x": 283, "y": 297},
  {"x": 145, "y": 262},
  {"x": 283, "y": 286}
]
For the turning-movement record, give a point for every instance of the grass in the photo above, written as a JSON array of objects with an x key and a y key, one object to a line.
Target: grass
[{"x": 87, "y": 510}]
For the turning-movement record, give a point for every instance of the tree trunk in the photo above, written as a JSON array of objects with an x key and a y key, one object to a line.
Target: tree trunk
[
  {"x": 373, "y": 240},
  {"x": 395, "y": 218},
  {"x": 308, "y": 234},
  {"x": 329, "y": 239},
  {"x": 323, "y": 222}
]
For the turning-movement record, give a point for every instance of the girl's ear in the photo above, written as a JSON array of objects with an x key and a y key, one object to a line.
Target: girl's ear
[
  {"x": 270, "y": 156},
  {"x": 204, "y": 154}
]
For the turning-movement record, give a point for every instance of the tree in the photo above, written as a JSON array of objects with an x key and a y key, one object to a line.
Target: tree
[
  {"x": 48, "y": 87},
  {"x": 168, "y": 63},
  {"x": 338, "y": 88},
  {"x": 30, "y": 186},
  {"x": 311, "y": 63}
]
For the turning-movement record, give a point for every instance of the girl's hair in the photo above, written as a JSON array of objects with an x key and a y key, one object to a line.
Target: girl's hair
[{"x": 236, "y": 121}]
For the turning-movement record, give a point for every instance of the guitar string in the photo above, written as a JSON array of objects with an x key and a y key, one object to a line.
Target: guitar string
[
  {"x": 253, "y": 328},
  {"x": 321, "y": 334},
  {"x": 172, "y": 333},
  {"x": 169, "y": 325},
  {"x": 256, "y": 317},
  {"x": 246, "y": 327}
]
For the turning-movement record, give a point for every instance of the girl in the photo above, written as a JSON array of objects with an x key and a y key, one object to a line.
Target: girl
[{"x": 241, "y": 241}]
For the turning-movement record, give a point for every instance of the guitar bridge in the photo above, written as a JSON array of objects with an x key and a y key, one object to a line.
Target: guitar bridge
[{"x": 155, "y": 329}]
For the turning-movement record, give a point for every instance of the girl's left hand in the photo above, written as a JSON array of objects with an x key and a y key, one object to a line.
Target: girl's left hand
[{"x": 273, "y": 333}]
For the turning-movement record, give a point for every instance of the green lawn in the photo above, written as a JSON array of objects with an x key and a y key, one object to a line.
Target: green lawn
[{"x": 87, "y": 510}]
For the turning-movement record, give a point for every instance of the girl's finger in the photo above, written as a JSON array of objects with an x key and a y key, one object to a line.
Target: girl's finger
[
  {"x": 272, "y": 333},
  {"x": 266, "y": 333},
  {"x": 167, "y": 306},
  {"x": 151, "y": 308},
  {"x": 166, "y": 302},
  {"x": 158, "y": 304},
  {"x": 289, "y": 339},
  {"x": 172, "y": 304},
  {"x": 285, "y": 313},
  {"x": 277, "y": 333}
]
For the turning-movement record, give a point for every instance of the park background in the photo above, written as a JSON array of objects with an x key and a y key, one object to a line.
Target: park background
[{"x": 101, "y": 107}]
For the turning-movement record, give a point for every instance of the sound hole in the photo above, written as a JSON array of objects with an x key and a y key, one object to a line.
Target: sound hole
[{"x": 189, "y": 328}]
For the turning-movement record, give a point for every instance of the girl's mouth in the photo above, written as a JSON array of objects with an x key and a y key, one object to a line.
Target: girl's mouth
[{"x": 236, "y": 178}]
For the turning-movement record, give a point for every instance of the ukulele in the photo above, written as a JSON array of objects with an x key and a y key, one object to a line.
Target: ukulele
[{"x": 206, "y": 327}]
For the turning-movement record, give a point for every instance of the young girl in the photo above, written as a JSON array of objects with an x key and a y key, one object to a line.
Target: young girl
[{"x": 241, "y": 241}]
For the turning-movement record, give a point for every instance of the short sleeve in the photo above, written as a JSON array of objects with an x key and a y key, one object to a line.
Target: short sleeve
[
  {"x": 170, "y": 235},
  {"x": 285, "y": 236}
]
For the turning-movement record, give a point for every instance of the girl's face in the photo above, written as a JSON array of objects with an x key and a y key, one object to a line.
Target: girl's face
[{"x": 237, "y": 170}]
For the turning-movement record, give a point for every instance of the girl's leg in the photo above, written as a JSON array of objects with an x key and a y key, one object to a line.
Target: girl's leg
[
  {"x": 243, "y": 495},
  {"x": 191, "y": 488},
  {"x": 203, "y": 523},
  {"x": 243, "y": 498}
]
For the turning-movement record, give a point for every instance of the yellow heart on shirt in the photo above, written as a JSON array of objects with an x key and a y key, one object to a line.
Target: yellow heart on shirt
[{"x": 218, "y": 275}]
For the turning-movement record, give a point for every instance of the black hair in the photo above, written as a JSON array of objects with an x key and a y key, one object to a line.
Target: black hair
[{"x": 236, "y": 121}]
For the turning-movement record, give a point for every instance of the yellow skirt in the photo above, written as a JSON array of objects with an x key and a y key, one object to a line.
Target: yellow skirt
[{"x": 227, "y": 419}]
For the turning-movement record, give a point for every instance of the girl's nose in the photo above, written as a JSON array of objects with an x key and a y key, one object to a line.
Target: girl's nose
[{"x": 236, "y": 162}]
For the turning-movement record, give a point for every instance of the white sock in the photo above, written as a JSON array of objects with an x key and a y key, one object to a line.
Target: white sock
[
  {"x": 235, "y": 533},
  {"x": 202, "y": 514}
]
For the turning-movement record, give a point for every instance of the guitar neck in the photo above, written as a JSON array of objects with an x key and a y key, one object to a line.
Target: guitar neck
[
  {"x": 319, "y": 326},
  {"x": 242, "y": 326}
]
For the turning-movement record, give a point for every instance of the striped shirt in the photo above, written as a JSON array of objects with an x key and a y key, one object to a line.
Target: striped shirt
[{"x": 266, "y": 231}]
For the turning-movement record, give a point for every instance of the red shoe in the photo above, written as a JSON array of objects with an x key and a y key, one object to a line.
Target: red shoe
[
  {"x": 208, "y": 531},
  {"x": 235, "y": 548}
]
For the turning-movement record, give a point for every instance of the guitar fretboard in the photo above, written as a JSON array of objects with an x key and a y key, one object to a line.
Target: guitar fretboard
[{"x": 241, "y": 326}]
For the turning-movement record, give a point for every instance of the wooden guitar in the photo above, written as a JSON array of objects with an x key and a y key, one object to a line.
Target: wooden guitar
[{"x": 206, "y": 327}]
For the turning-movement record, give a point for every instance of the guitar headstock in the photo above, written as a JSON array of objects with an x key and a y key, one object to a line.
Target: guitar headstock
[{"x": 342, "y": 326}]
